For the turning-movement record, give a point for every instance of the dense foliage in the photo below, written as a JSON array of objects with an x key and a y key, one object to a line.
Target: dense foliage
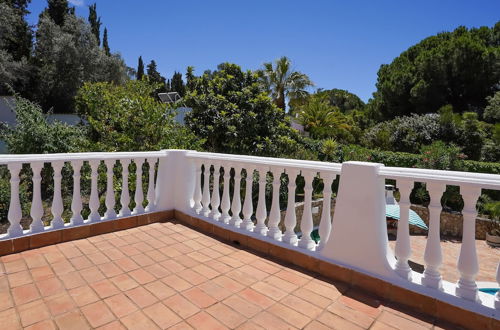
[{"x": 460, "y": 68}]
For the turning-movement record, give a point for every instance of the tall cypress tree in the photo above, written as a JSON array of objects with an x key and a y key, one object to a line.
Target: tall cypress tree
[
  {"x": 95, "y": 22},
  {"x": 57, "y": 10},
  {"x": 156, "y": 77},
  {"x": 140, "y": 69},
  {"x": 177, "y": 84},
  {"x": 105, "y": 44}
]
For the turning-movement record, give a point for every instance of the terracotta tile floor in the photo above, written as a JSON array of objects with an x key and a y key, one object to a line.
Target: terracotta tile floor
[
  {"x": 488, "y": 258},
  {"x": 166, "y": 275}
]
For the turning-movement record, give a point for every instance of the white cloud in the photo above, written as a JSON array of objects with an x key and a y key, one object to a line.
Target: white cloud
[{"x": 77, "y": 3}]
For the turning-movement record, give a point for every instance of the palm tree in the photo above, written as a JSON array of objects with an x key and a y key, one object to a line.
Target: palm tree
[{"x": 282, "y": 82}]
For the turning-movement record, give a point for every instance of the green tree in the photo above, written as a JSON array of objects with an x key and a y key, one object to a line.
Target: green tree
[
  {"x": 15, "y": 32},
  {"x": 233, "y": 114},
  {"x": 492, "y": 110},
  {"x": 109, "y": 109},
  {"x": 95, "y": 22},
  {"x": 282, "y": 82},
  {"x": 105, "y": 44},
  {"x": 472, "y": 135},
  {"x": 177, "y": 84},
  {"x": 459, "y": 68},
  {"x": 155, "y": 77},
  {"x": 190, "y": 78},
  {"x": 342, "y": 99},
  {"x": 140, "y": 69},
  {"x": 58, "y": 10}
]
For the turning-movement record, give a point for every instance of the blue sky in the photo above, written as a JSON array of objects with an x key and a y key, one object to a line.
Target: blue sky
[{"x": 339, "y": 44}]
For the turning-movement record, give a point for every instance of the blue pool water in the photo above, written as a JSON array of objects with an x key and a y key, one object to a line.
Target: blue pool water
[{"x": 489, "y": 290}]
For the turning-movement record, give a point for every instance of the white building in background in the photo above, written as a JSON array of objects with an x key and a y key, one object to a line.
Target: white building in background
[{"x": 180, "y": 112}]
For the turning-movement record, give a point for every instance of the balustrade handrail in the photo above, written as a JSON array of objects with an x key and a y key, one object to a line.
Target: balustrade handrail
[
  {"x": 269, "y": 161},
  {"x": 482, "y": 180},
  {"x": 85, "y": 156}
]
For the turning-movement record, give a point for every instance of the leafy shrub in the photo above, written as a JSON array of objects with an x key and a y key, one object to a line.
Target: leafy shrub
[{"x": 441, "y": 156}]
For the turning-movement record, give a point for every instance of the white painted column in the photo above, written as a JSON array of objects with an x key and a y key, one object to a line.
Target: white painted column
[
  {"x": 57, "y": 203},
  {"x": 36, "y": 211},
  {"x": 151, "y": 185},
  {"x": 76, "y": 201},
  {"x": 433, "y": 256},
  {"x": 306, "y": 223},
  {"x": 205, "y": 201},
  {"x": 125, "y": 195},
  {"x": 94, "y": 194},
  {"x": 497, "y": 295},
  {"x": 15, "y": 214},
  {"x": 261, "y": 213},
  {"x": 226, "y": 203},
  {"x": 110, "y": 190},
  {"x": 248, "y": 203},
  {"x": 215, "y": 202},
  {"x": 325, "y": 225},
  {"x": 197, "y": 188},
  {"x": 139, "y": 194},
  {"x": 236, "y": 203},
  {"x": 403, "y": 248},
  {"x": 467, "y": 261},
  {"x": 290, "y": 217},
  {"x": 274, "y": 214}
]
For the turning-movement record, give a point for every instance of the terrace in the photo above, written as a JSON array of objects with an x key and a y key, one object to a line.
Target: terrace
[{"x": 196, "y": 254}]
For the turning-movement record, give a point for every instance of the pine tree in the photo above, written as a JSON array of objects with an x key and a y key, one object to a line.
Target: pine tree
[
  {"x": 155, "y": 77},
  {"x": 95, "y": 22},
  {"x": 105, "y": 44},
  {"x": 177, "y": 84},
  {"x": 140, "y": 69},
  {"x": 57, "y": 10}
]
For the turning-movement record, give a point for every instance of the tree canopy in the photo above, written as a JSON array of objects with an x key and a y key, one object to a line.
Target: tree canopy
[{"x": 460, "y": 68}]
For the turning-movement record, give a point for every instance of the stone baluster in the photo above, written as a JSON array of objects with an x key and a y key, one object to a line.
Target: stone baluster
[
  {"x": 205, "y": 200},
  {"x": 215, "y": 202},
  {"x": 76, "y": 201},
  {"x": 139, "y": 195},
  {"x": 306, "y": 223},
  {"x": 236, "y": 203},
  {"x": 248, "y": 203},
  {"x": 497, "y": 295},
  {"x": 197, "y": 195},
  {"x": 125, "y": 196},
  {"x": 151, "y": 185},
  {"x": 94, "y": 194},
  {"x": 403, "y": 248},
  {"x": 467, "y": 261},
  {"x": 57, "y": 203},
  {"x": 15, "y": 214},
  {"x": 290, "y": 217},
  {"x": 36, "y": 212},
  {"x": 275, "y": 214},
  {"x": 261, "y": 212},
  {"x": 226, "y": 203},
  {"x": 110, "y": 190},
  {"x": 432, "y": 256},
  {"x": 325, "y": 225}
]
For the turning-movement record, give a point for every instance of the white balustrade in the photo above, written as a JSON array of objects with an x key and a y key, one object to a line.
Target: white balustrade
[
  {"x": 125, "y": 195},
  {"x": 15, "y": 214},
  {"x": 261, "y": 213},
  {"x": 94, "y": 193},
  {"x": 139, "y": 194},
  {"x": 197, "y": 195},
  {"x": 57, "y": 203},
  {"x": 468, "y": 265},
  {"x": 403, "y": 248},
  {"x": 290, "y": 236},
  {"x": 236, "y": 203},
  {"x": 497, "y": 295},
  {"x": 151, "y": 185},
  {"x": 325, "y": 225},
  {"x": 275, "y": 214},
  {"x": 36, "y": 212},
  {"x": 76, "y": 201},
  {"x": 433, "y": 256},
  {"x": 205, "y": 200},
  {"x": 110, "y": 190},
  {"x": 248, "y": 203},
  {"x": 215, "y": 201},
  {"x": 226, "y": 203},
  {"x": 306, "y": 223}
]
